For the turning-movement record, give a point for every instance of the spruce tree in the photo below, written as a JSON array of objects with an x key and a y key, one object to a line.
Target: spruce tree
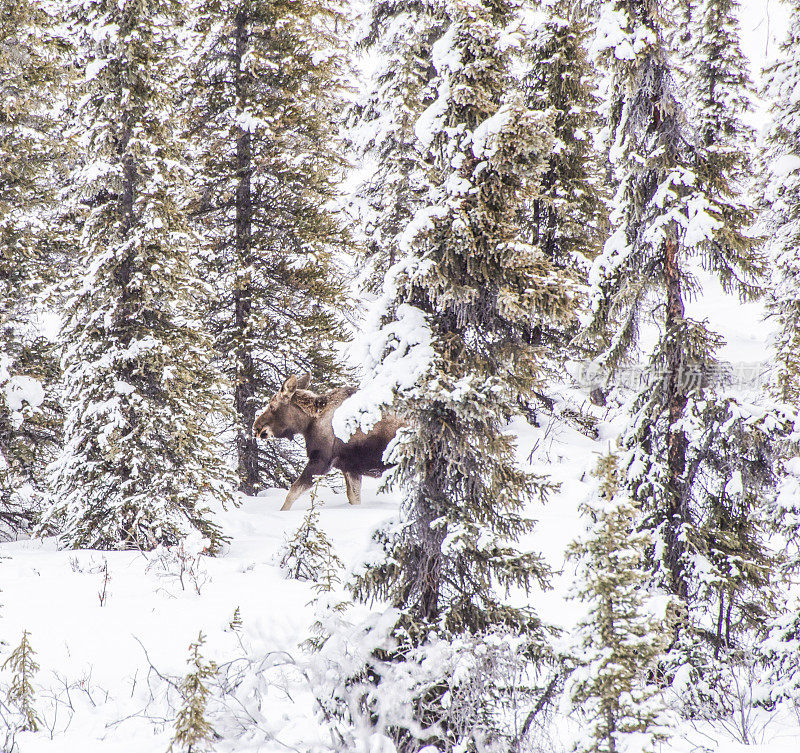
[
  {"x": 722, "y": 89},
  {"x": 780, "y": 218},
  {"x": 22, "y": 664},
  {"x": 309, "y": 554},
  {"x": 265, "y": 93},
  {"x": 32, "y": 61},
  {"x": 381, "y": 126},
  {"x": 141, "y": 461},
  {"x": 619, "y": 641},
  {"x": 470, "y": 286},
  {"x": 699, "y": 462},
  {"x": 193, "y": 731},
  {"x": 779, "y": 181},
  {"x": 569, "y": 216}
]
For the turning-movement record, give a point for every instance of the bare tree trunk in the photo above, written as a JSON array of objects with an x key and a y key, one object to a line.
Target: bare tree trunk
[{"x": 244, "y": 394}]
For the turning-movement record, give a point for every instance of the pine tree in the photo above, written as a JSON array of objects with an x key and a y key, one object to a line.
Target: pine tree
[
  {"x": 723, "y": 92},
  {"x": 382, "y": 125},
  {"x": 569, "y": 216},
  {"x": 23, "y": 666},
  {"x": 779, "y": 183},
  {"x": 265, "y": 93},
  {"x": 780, "y": 218},
  {"x": 700, "y": 462},
  {"x": 193, "y": 731},
  {"x": 32, "y": 56},
  {"x": 619, "y": 642},
  {"x": 141, "y": 460},
  {"x": 309, "y": 554},
  {"x": 469, "y": 285}
]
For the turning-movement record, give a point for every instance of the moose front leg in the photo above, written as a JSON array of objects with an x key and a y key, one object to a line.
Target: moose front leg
[{"x": 305, "y": 482}]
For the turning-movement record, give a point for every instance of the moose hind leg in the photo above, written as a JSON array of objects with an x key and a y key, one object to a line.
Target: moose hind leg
[{"x": 352, "y": 482}]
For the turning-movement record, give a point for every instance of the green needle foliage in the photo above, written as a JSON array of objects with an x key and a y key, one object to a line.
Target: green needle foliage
[
  {"x": 381, "y": 126},
  {"x": 308, "y": 554},
  {"x": 779, "y": 184},
  {"x": 620, "y": 642},
  {"x": 193, "y": 731},
  {"x": 23, "y": 666},
  {"x": 264, "y": 95},
  {"x": 33, "y": 60},
  {"x": 568, "y": 219},
  {"x": 141, "y": 461},
  {"x": 471, "y": 289},
  {"x": 699, "y": 460}
]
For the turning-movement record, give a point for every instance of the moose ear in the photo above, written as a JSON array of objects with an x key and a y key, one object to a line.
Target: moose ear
[
  {"x": 304, "y": 381},
  {"x": 289, "y": 386}
]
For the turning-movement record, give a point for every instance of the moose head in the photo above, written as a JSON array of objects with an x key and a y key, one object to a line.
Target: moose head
[{"x": 288, "y": 411}]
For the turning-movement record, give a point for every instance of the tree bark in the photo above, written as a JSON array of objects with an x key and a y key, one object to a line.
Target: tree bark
[
  {"x": 244, "y": 388},
  {"x": 676, "y": 399}
]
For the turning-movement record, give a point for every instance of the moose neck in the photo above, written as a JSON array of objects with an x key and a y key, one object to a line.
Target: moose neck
[{"x": 301, "y": 422}]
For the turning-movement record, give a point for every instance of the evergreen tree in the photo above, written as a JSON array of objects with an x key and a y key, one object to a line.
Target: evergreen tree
[
  {"x": 780, "y": 219},
  {"x": 699, "y": 462},
  {"x": 141, "y": 460},
  {"x": 382, "y": 125},
  {"x": 309, "y": 554},
  {"x": 193, "y": 731},
  {"x": 619, "y": 642},
  {"x": 780, "y": 223},
  {"x": 31, "y": 61},
  {"x": 469, "y": 287},
  {"x": 22, "y": 664},
  {"x": 566, "y": 220},
  {"x": 722, "y": 90},
  {"x": 265, "y": 93}
]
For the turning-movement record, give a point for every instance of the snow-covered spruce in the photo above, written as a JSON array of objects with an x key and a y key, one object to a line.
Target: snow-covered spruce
[
  {"x": 567, "y": 218},
  {"x": 381, "y": 126},
  {"x": 617, "y": 646},
  {"x": 779, "y": 183},
  {"x": 780, "y": 215},
  {"x": 476, "y": 289},
  {"x": 699, "y": 461},
  {"x": 140, "y": 463},
  {"x": 32, "y": 65},
  {"x": 264, "y": 90}
]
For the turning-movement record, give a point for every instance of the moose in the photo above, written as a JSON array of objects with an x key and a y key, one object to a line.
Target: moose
[{"x": 295, "y": 409}]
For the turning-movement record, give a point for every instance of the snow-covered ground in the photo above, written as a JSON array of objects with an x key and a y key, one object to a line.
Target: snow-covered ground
[
  {"x": 105, "y": 625},
  {"x": 112, "y": 629},
  {"x": 98, "y": 656}
]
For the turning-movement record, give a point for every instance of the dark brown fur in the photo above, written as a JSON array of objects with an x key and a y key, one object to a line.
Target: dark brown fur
[{"x": 298, "y": 410}]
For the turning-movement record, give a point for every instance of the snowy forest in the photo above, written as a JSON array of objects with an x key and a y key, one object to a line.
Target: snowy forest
[{"x": 540, "y": 258}]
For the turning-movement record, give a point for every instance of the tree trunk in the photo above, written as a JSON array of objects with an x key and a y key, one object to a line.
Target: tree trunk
[
  {"x": 245, "y": 388},
  {"x": 676, "y": 400}
]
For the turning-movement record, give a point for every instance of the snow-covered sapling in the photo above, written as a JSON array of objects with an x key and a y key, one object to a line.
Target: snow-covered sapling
[
  {"x": 620, "y": 639},
  {"x": 193, "y": 731},
  {"x": 308, "y": 554},
  {"x": 23, "y": 667}
]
